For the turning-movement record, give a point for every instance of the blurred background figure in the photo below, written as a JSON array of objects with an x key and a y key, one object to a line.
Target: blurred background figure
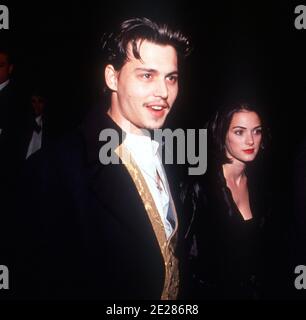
[
  {"x": 13, "y": 119},
  {"x": 13, "y": 123},
  {"x": 36, "y": 125},
  {"x": 6, "y": 95}
]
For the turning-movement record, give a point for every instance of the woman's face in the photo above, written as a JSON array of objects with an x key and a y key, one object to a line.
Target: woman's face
[{"x": 243, "y": 138}]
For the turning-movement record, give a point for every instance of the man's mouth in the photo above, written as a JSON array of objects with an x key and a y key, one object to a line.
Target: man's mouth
[
  {"x": 157, "y": 106},
  {"x": 157, "y": 109}
]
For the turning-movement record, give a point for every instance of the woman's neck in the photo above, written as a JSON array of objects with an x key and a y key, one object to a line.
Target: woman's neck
[{"x": 234, "y": 172}]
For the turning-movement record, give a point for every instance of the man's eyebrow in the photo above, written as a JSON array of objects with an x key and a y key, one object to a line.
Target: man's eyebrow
[
  {"x": 146, "y": 70},
  {"x": 175, "y": 72}
]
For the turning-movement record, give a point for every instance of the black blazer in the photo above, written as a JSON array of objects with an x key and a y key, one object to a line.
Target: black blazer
[
  {"x": 85, "y": 231},
  {"x": 14, "y": 117}
]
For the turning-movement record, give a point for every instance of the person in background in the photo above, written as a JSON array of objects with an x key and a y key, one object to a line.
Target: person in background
[{"x": 37, "y": 123}]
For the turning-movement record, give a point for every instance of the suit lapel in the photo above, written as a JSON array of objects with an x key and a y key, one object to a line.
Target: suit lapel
[{"x": 112, "y": 184}]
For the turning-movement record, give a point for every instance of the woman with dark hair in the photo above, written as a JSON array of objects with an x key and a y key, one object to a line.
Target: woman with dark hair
[{"x": 227, "y": 209}]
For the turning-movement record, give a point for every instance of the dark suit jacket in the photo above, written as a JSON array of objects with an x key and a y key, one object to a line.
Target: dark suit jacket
[
  {"x": 14, "y": 117},
  {"x": 299, "y": 203},
  {"x": 85, "y": 231}
]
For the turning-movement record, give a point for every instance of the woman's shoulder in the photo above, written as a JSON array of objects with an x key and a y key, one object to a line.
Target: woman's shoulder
[{"x": 202, "y": 186}]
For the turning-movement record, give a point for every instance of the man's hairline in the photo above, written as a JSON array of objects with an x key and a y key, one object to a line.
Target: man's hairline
[{"x": 130, "y": 50}]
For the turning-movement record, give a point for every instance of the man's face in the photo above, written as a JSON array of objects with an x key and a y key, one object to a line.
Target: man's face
[
  {"x": 145, "y": 89},
  {"x": 5, "y": 68},
  {"x": 38, "y": 104}
]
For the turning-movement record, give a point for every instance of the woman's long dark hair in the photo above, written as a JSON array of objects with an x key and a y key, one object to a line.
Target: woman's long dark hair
[{"x": 219, "y": 124}]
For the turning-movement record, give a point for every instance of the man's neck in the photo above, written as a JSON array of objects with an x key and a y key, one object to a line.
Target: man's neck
[{"x": 124, "y": 124}]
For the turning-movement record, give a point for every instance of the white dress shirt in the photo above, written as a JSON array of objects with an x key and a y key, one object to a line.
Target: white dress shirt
[
  {"x": 145, "y": 153},
  {"x": 4, "y": 84},
  {"x": 35, "y": 143}
]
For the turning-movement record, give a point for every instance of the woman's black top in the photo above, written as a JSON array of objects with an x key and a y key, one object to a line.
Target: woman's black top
[{"x": 224, "y": 250}]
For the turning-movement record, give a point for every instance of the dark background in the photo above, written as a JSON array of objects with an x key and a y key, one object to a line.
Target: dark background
[
  {"x": 240, "y": 48},
  {"x": 243, "y": 49}
]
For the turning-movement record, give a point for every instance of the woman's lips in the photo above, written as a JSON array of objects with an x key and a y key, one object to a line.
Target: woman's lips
[{"x": 249, "y": 151}]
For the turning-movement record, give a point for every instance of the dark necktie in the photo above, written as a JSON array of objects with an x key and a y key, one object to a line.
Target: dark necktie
[{"x": 37, "y": 127}]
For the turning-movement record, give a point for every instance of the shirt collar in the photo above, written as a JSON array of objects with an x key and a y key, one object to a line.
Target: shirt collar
[
  {"x": 4, "y": 84},
  {"x": 142, "y": 147}
]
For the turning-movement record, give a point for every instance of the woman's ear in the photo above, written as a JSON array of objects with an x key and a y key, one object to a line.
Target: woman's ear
[{"x": 111, "y": 77}]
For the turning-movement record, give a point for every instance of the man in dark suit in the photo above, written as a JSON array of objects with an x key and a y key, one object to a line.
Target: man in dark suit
[
  {"x": 104, "y": 224},
  {"x": 6, "y": 101},
  {"x": 300, "y": 203},
  {"x": 12, "y": 146},
  {"x": 13, "y": 118},
  {"x": 37, "y": 136}
]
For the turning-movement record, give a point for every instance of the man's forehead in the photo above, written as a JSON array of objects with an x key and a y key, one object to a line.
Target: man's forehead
[
  {"x": 144, "y": 44},
  {"x": 3, "y": 57},
  {"x": 153, "y": 56}
]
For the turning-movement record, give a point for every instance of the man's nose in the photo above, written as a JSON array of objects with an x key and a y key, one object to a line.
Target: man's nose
[{"x": 161, "y": 89}]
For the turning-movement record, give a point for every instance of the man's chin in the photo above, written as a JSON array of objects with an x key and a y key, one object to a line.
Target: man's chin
[
  {"x": 157, "y": 124},
  {"x": 154, "y": 126}
]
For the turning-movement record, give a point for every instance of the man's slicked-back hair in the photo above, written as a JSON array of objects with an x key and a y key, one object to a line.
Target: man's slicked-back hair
[{"x": 115, "y": 45}]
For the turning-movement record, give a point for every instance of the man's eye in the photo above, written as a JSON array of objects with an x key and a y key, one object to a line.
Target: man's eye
[
  {"x": 147, "y": 76},
  {"x": 173, "y": 79}
]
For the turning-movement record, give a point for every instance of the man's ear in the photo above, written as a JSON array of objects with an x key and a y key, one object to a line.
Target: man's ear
[
  {"x": 11, "y": 68},
  {"x": 111, "y": 77}
]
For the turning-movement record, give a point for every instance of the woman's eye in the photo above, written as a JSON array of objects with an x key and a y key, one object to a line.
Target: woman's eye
[
  {"x": 238, "y": 132},
  {"x": 258, "y": 131}
]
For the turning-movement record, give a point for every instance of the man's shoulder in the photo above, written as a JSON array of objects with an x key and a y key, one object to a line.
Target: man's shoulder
[{"x": 67, "y": 152}]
